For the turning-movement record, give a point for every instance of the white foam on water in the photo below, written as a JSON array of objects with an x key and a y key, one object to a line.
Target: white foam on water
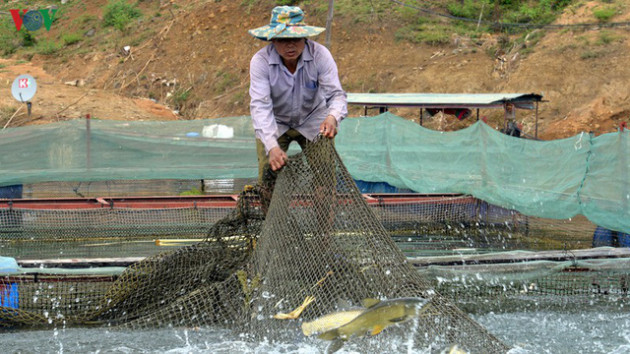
[{"x": 527, "y": 333}]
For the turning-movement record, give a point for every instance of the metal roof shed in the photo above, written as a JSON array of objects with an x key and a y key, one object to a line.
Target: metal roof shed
[{"x": 447, "y": 101}]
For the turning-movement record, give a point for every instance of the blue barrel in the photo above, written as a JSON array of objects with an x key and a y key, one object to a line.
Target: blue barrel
[
  {"x": 9, "y": 291},
  {"x": 11, "y": 192},
  {"x": 603, "y": 237},
  {"x": 9, "y": 295},
  {"x": 624, "y": 239}
]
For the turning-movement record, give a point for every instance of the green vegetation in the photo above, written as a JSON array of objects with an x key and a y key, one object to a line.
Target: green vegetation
[
  {"x": 192, "y": 191},
  {"x": 224, "y": 81},
  {"x": 287, "y": 2},
  {"x": 509, "y": 11},
  {"x": 362, "y": 11},
  {"x": 27, "y": 39},
  {"x": 9, "y": 39},
  {"x": 604, "y": 14},
  {"x": 5, "y": 113},
  {"x": 47, "y": 47},
  {"x": 607, "y": 37},
  {"x": 71, "y": 38},
  {"x": 85, "y": 19},
  {"x": 417, "y": 24},
  {"x": 179, "y": 98},
  {"x": 433, "y": 34},
  {"x": 119, "y": 14},
  {"x": 589, "y": 54}
]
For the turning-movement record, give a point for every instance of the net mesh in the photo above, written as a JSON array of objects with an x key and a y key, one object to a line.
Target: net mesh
[
  {"x": 588, "y": 174},
  {"x": 319, "y": 239},
  {"x": 421, "y": 225}
]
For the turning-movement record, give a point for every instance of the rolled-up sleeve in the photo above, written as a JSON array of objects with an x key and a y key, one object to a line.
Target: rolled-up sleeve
[
  {"x": 336, "y": 98},
  {"x": 261, "y": 106}
]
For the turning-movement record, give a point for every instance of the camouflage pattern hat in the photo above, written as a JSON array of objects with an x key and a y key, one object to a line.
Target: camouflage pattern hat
[{"x": 286, "y": 22}]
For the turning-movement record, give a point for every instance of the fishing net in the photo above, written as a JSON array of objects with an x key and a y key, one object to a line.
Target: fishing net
[{"x": 315, "y": 239}]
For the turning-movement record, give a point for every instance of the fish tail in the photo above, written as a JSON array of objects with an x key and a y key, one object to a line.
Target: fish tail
[
  {"x": 334, "y": 346},
  {"x": 307, "y": 329},
  {"x": 330, "y": 335}
]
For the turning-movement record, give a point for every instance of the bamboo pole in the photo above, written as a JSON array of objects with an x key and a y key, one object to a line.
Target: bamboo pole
[{"x": 329, "y": 20}]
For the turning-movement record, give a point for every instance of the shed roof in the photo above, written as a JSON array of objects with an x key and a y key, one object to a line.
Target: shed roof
[{"x": 444, "y": 100}]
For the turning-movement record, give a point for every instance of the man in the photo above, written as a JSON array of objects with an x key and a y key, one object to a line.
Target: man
[{"x": 295, "y": 89}]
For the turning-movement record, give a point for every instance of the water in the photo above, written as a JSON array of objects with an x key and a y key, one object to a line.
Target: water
[
  {"x": 528, "y": 332},
  {"x": 553, "y": 332}
]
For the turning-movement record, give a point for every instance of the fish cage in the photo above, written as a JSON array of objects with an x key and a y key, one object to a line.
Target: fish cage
[
  {"x": 421, "y": 224},
  {"x": 479, "y": 284},
  {"x": 186, "y": 252},
  {"x": 70, "y": 250}
]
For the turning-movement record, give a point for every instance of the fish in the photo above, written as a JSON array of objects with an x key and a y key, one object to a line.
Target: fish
[
  {"x": 295, "y": 313},
  {"x": 454, "y": 350},
  {"x": 330, "y": 321},
  {"x": 373, "y": 319}
]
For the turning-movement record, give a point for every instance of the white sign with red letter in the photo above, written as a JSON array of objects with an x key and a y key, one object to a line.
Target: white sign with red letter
[{"x": 24, "y": 87}]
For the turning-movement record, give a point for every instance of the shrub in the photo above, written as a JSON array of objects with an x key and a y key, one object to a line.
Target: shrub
[
  {"x": 604, "y": 14},
  {"x": 590, "y": 55},
  {"x": 287, "y": 2},
  {"x": 511, "y": 11},
  {"x": 27, "y": 38},
  {"x": 9, "y": 40},
  {"x": 47, "y": 47},
  {"x": 469, "y": 8},
  {"x": 425, "y": 33},
  {"x": 607, "y": 37},
  {"x": 71, "y": 38},
  {"x": 119, "y": 14},
  {"x": 179, "y": 98}
]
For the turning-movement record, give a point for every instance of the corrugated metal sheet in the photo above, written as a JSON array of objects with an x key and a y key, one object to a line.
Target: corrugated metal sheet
[{"x": 443, "y": 100}]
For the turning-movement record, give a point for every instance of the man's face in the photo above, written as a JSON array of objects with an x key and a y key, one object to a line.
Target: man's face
[{"x": 289, "y": 48}]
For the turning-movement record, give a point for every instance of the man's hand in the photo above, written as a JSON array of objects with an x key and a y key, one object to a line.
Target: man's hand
[
  {"x": 277, "y": 158},
  {"x": 329, "y": 127}
]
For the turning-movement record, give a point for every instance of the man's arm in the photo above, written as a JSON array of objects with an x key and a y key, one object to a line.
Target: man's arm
[
  {"x": 261, "y": 109},
  {"x": 261, "y": 106},
  {"x": 336, "y": 99}
]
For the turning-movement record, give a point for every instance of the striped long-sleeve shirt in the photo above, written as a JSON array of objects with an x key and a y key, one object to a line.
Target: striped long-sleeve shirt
[{"x": 281, "y": 100}]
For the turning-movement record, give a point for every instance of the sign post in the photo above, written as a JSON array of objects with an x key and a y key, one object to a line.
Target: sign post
[{"x": 23, "y": 90}]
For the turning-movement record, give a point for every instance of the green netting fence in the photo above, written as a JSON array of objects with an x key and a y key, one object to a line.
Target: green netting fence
[{"x": 557, "y": 179}]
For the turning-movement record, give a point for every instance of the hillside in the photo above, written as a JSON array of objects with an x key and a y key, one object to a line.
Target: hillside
[{"x": 189, "y": 59}]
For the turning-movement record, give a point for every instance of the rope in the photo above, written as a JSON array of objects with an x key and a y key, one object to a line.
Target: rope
[{"x": 589, "y": 153}]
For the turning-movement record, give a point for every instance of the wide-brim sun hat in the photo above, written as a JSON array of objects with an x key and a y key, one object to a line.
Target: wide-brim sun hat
[{"x": 286, "y": 22}]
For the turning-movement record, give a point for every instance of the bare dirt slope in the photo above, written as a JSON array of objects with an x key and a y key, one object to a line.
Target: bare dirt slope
[
  {"x": 192, "y": 58},
  {"x": 58, "y": 100}
]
